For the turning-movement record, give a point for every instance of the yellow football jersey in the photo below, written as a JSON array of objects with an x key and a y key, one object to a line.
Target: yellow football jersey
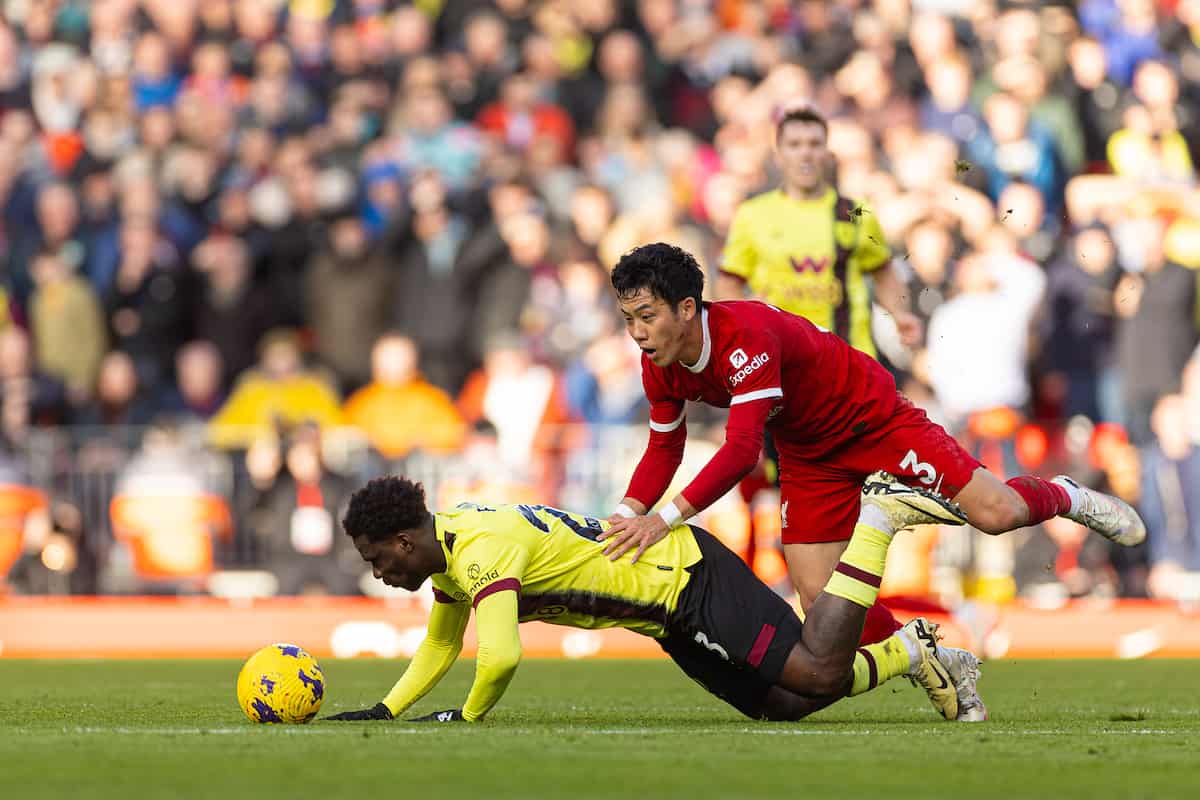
[
  {"x": 551, "y": 557},
  {"x": 787, "y": 252}
]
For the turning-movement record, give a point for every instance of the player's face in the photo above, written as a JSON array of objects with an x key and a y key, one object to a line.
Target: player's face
[
  {"x": 803, "y": 154},
  {"x": 659, "y": 330},
  {"x": 396, "y": 562}
]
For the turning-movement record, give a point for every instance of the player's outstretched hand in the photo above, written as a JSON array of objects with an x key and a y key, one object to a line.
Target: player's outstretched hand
[
  {"x": 628, "y": 533},
  {"x": 378, "y": 711},
  {"x": 450, "y": 715}
]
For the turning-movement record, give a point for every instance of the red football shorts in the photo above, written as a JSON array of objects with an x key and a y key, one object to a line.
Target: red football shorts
[{"x": 820, "y": 497}]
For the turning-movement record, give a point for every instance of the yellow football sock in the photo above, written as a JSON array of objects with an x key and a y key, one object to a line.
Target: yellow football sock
[
  {"x": 877, "y": 663},
  {"x": 857, "y": 577}
]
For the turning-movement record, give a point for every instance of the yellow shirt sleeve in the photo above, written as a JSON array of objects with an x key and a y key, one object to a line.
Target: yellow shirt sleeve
[
  {"x": 871, "y": 251},
  {"x": 442, "y": 643},
  {"x": 739, "y": 256},
  {"x": 496, "y": 624}
]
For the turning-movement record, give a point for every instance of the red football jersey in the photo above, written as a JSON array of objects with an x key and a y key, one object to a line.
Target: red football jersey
[{"x": 771, "y": 369}]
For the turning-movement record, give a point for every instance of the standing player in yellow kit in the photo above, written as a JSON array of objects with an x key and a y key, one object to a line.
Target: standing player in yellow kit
[{"x": 810, "y": 251}]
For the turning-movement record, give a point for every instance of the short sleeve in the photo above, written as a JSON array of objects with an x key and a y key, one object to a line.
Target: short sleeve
[
  {"x": 739, "y": 256},
  {"x": 751, "y": 365},
  {"x": 487, "y": 565},
  {"x": 872, "y": 251}
]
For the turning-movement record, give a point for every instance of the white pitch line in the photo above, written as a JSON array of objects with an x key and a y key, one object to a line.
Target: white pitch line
[{"x": 400, "y": 730}]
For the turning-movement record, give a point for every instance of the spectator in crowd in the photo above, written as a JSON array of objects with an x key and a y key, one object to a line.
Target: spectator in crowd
[
  {"x": 279, "y": 391},
  {"x": 526, "y": 405},
  {"x": 986, "y": 326},
  {"x": 198, "y": 392},
  {"x": 295, "y": 523},
  {"x": 147, "y": 303},
  {"x": 1170, "y": 500},
  {"x": 120, "y": 398},
  {"x": 348, "y": 300},
  {"x": 1077, "y": 328},
  {"x": 28, "y": 396},
  {"x": 399, "y": 410},
  {"x": 441, "y": 261},
  {"x": 1155, "y": 301},
  {"x": 229, "y": 308},
  {"x": 67, "y": 324}
]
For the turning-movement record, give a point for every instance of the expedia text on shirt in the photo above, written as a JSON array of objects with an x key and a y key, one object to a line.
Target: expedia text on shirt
[{"x": 745, "y": 371}]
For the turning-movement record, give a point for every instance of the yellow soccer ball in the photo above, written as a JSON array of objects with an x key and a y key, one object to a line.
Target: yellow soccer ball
[{"x": 281, "y": 683}]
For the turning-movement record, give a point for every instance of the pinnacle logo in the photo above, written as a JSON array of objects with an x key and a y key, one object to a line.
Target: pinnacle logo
[
  {"x": 738, "y": 358},
  {"x": 746, "y": 368}
]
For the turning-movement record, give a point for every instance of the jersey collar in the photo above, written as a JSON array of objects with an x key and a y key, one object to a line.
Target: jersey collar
[
  {"x": 706, "y": 349},
  {"x": 445, "y": 538}
]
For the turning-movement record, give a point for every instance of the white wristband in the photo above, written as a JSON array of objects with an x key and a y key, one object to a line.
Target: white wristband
[
  {"x": 670, "y": 514},
  {"x": 625, "y": 511}
]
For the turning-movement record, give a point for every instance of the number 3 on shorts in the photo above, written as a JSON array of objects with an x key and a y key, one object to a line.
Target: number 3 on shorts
[{"x": 922, "y": 469}]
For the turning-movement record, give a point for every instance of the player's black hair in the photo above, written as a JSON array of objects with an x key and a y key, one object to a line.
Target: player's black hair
[
  {"x": 802, "y": 114},
  {"x": 384, "y": 507},
  {"x": 669, "y": 272}
]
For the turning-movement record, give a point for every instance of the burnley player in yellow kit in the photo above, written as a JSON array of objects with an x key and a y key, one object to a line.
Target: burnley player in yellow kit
[{"x": 717, "y": 621}]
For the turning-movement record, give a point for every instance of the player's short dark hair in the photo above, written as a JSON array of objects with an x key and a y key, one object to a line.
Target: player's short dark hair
[
  {"x": 669, "y": 272},
  {"x": 806, "y": 114},
  {"x": 384, "y": 507}
]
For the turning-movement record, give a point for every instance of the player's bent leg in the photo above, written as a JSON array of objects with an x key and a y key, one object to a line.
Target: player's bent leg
[
  {"x": 818, "y": 664},
  {"x": 997, "y": 507},
  {"x": 809, "y": 567},
  {"x": 994, "y": 506}
]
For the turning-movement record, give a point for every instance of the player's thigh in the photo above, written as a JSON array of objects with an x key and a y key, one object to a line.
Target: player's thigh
[
  {"x": 916, "y": 450},
  {"x": 810, "y": 565},
  {"x": 818, "y": 500}
]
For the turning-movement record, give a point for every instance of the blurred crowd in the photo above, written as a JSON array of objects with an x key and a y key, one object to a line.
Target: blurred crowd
[{"x": 237, "y": 235}]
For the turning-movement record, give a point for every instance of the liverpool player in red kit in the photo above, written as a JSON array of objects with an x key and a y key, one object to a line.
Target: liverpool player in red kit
[{"x": 835, "y": 415}]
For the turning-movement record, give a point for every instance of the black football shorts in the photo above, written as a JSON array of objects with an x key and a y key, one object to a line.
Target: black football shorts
[{"x": 730, "y": 633}]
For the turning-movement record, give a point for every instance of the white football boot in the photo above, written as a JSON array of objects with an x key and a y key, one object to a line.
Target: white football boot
[
  {"x": 963, "y": 667},
  {"x": 1112, "y": 518}
]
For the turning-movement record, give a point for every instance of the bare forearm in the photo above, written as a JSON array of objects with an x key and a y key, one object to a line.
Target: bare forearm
[{"x": 890, "y": 291}]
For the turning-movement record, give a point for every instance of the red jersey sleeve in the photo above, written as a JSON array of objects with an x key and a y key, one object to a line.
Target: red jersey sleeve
[
  {"x": 749, "y": 366},
  {"x": 668, "y": 434}
]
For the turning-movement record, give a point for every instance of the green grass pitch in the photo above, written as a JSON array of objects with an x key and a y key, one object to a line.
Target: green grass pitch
[{"x": 149, "y": 729}]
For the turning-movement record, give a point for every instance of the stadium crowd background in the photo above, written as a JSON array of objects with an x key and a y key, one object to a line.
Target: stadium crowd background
[{"x": 254, "y": 251}]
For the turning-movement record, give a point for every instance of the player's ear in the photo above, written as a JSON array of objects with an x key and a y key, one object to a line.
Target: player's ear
[
  {"x": 405, "y": 542},
  {"x": 686, "y": 309}
]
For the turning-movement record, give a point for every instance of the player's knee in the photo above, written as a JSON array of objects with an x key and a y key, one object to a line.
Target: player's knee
[
  {"x": 997, "y": 512},
  {"x": 827, "y": 679}
]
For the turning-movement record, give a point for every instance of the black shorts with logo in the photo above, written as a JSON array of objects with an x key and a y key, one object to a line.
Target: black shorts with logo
[{"x": 730, "y": 633}]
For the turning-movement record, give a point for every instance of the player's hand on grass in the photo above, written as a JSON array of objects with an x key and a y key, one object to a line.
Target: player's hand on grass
[
  {"x": 630, "y": 532},
  {"x": 378, "y": 711},
  {"x": 450, "y": 715}
]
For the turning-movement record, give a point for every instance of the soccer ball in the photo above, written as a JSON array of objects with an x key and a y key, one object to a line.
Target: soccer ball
[{"x": 281, "y": 683}]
